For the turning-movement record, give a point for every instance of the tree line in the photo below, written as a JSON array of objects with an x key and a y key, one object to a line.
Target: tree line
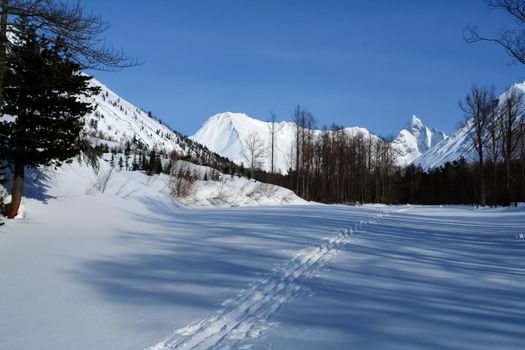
[{"x": 337, "y": 165}]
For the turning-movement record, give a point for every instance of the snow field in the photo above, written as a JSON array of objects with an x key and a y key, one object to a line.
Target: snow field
[
  {"x": 247, "y": 315},
  {"x": 124, "y": 268}
]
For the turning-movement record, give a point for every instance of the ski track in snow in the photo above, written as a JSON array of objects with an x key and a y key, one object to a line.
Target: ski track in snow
[{"x": 247, "y": 315}]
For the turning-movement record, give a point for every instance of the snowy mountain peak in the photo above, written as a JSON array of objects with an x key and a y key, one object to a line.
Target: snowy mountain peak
[
  {"x": 415, "y": 139},
  {"x": 229, "y": 117},
  {"x": 414, "y": 123},
  {"x": 226, "y": 134},
  {"x": 456, "y": 146}
]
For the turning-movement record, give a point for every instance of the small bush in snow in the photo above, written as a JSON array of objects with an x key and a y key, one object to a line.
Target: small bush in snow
[{"x": 182, "y": 180}]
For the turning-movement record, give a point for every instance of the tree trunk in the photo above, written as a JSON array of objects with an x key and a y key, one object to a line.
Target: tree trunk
[
  {"x": 482, "y": 181},
  {"x": 16, "y": 193},
  {"x": 495, "y": 169},
  {"x": 507, "y": 182}
]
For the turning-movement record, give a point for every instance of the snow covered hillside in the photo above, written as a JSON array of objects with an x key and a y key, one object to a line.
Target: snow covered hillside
[
  {"x": 457, "y": 145},
  {"x": 416, "y": 139},
  {"x": 226, "y": 134},
  {"x": 131, "y": 269},
  {"x": 209, "y": 187},
  {"x": 448, "y": 150},
  {"x": 116, "y": 121}
]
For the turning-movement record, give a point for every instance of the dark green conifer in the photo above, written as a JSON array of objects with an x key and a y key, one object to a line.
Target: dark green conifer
[{"x": 42, "y": 86}]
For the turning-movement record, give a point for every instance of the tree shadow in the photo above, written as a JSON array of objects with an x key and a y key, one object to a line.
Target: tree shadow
[
  {"x": 417, "y": 282},
  {"x": 199, "y": 257}
]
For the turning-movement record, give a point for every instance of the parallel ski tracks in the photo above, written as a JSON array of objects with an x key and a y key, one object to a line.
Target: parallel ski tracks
[{"x": 246, "y": 316}]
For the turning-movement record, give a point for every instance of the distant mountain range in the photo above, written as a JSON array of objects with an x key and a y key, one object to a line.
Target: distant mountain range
[
  {"x": 226, "y": 134},
  {"x": 116, "y": 121}
]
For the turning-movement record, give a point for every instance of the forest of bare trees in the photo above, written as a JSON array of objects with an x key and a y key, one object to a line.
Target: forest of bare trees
[
  {"x": 497, "y": 129},
  {"x": 336, "y": 165}
]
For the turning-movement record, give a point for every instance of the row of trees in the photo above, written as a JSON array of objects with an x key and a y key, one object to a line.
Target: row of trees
[
  {"x": 496, "y": 129},
  {"x": 334, "y": 165}
]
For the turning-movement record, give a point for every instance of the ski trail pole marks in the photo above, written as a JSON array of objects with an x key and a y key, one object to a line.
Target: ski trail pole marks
[{"x": 246, "y": 315}]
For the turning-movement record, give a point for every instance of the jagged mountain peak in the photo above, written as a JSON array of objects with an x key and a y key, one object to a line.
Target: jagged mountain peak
[
  {"x": 415, "y": 139},
  {"x": 414, "y": 123},
  {"x": 458, "y": 145}
]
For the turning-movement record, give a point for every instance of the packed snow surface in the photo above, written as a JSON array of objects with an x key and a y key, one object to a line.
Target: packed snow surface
[{"x": 132, "y": 269}]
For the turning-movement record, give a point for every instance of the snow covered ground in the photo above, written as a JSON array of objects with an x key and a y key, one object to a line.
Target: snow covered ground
[{"x": 132, "y": 269}]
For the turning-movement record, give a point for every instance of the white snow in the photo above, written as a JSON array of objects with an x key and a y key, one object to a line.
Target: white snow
[
  {"x": 131, "y": 268},
  {"x": 233, "y": 191}
]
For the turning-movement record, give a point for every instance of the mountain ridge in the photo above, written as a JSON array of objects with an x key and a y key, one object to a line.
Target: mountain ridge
[
  {"x": 415, "y": 139},
  {"x": 225, "y": 133},
  {"x": 117, "y": 123}
]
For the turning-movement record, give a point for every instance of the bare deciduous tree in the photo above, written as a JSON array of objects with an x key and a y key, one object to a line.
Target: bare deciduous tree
[
  {"x": 493, "y": 152},
  {"x": 478, "y": 108},
  {"x": 512, "y": 108},
  {"x": 273, "y": 128},
  {"x": 512, "y": 40},
  {"x": 182, "y": 180},
  {"x": 62, "y": 22},
  {"x": 254, "y": 151}
]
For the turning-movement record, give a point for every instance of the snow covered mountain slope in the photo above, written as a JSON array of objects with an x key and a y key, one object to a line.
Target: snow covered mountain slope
[
  {"x": 116, "y": 121},
  {"x": 448, "y": 150},
  {"x": 226, "y": 134},
  {"x": 416, "y": 139},
  {"x": 456, "y": 146}
]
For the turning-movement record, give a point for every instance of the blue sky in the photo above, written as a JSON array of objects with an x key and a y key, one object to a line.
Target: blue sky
[{"x": 366, "y": 63}]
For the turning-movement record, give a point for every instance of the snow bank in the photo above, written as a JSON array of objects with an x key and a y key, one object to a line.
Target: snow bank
[{"x": 220, "y": 190}]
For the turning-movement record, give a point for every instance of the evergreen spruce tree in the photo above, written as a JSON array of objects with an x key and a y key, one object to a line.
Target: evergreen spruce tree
[
  {"x": 143, "y": 162},
  {"x": 42, "y": 86},
  {"x": 127, "y": 153},
  {"x": 134, "y": 164},
  {"x": 151, "y": 162},
  {"x": 120, "y": 163}
]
